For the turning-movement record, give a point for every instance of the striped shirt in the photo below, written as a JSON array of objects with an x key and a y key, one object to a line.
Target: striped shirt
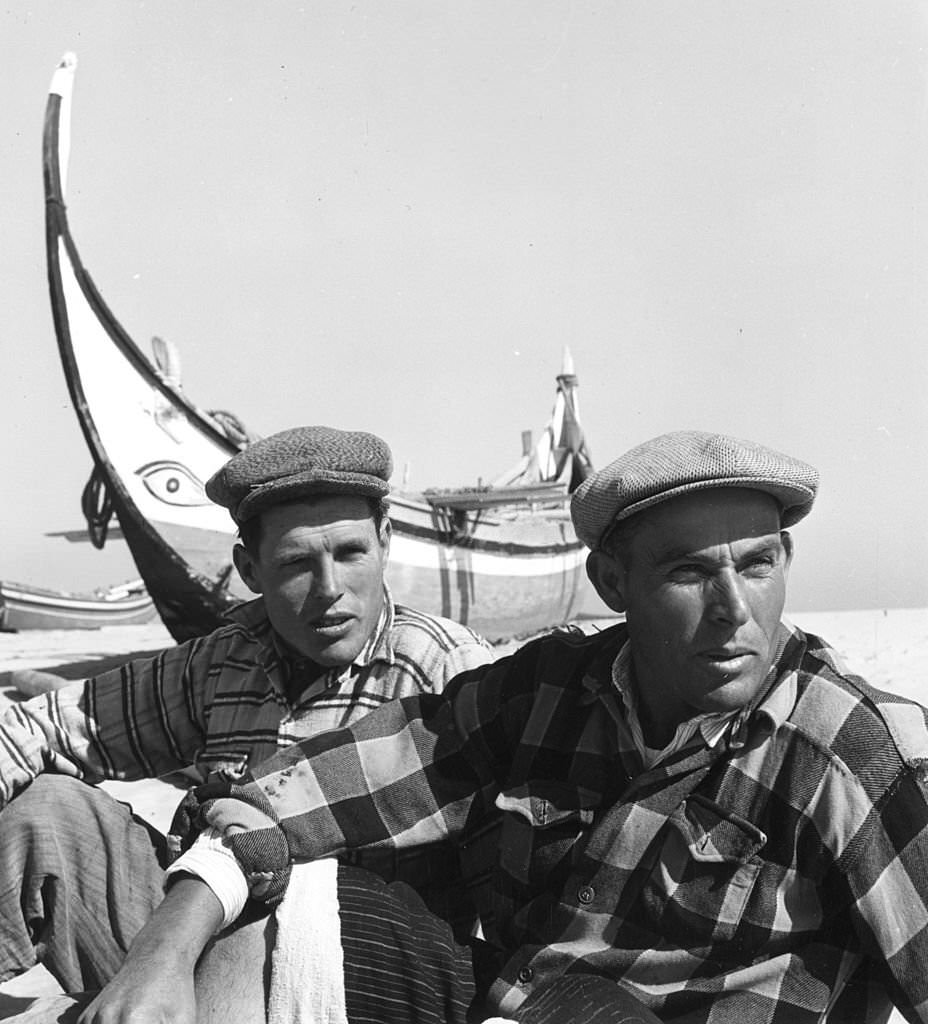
[
  {"x": 221, "y": 701},
  {"x": 780, "y": 874}
]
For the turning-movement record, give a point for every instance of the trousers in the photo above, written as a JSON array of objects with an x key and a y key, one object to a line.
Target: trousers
[
  {"x": 79, "y": 876},
  {"x": 402, "y": 965}
]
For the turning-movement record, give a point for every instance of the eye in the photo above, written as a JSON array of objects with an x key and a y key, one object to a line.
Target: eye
[
  {"x": 761, "y": 565},
  {"x": 687, "y": 571},
  {"x": 351, "y": 553},
  {"x": 173, "y": 484}
]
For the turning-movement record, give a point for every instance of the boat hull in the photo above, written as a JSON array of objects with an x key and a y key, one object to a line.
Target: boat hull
[
  {"x": 24, "y": 608},
  {"x": 512, "y": 579},
  {"x": 505, "y": 571}
]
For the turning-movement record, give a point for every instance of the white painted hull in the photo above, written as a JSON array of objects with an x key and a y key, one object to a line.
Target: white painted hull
[{"x": 505, "y": 571}]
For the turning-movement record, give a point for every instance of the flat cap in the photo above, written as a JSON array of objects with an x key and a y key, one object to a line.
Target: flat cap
[
  {"x": 684, "y": 461},
  {"x": 298, "y": 462}
]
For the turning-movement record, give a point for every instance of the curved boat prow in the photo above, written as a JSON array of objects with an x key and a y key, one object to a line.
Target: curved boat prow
[
  {"x": 151, "y": 447},
  {"x": 506, "y": 564},
  {"x": 62, "y": 86}
]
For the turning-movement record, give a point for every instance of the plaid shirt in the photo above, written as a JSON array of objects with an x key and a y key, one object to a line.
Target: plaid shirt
[
  {"x": 777, "y": 876},
  {"x": 221, "y": 701}
]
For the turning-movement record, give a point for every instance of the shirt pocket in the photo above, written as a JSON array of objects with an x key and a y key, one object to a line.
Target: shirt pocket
[
  {"x": 541, "y": 823},
  {"x": 708, "y": 866}
]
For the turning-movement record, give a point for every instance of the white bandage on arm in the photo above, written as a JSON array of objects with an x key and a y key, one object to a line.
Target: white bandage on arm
[{"x": 215, "y": 864}]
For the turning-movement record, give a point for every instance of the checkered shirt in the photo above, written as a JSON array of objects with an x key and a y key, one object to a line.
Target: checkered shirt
[{"x": 779, "y": 876}]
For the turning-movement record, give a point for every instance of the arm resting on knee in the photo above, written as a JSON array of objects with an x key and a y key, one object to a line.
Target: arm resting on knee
[{"x": 156, "y": 981}]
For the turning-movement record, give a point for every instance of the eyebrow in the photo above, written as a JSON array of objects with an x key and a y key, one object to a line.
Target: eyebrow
[{"x": 678, "y": 554}]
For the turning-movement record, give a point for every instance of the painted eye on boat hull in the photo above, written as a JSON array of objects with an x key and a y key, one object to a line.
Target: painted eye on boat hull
[{"x": 173, "y": 484}]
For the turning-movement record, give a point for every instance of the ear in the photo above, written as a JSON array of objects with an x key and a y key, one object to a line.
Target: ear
[
  {"x": 786, "y": 539},
  {"x": 386, "y": 532},
  {"x": 245, "y": 565},
  {"x": 608, "y": 577}
]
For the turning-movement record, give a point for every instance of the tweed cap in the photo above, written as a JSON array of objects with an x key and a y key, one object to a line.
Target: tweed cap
[
  {"x": 684, "y": 461},
  {"x": 301, "y": 461}
]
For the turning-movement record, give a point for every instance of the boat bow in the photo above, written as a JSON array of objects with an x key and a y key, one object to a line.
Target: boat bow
[{"x": 503, "y": 559}]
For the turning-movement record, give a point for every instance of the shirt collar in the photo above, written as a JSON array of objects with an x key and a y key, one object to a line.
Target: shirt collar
[
  {"x": 379, "y": 646},
  {"x": 711, "y": 725},
  {"x": 772, "y": 706},
  {"x": 777, "y": 699},
  {"x": 252, "y": 615}
]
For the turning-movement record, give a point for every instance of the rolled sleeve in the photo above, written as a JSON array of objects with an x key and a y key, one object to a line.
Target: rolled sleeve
[{"x": 210, "y": 860}]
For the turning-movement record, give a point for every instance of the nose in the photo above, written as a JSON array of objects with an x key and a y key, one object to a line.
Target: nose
[
  {"x": 728, "y": 604},
  {"x": 326, "y": 585}
]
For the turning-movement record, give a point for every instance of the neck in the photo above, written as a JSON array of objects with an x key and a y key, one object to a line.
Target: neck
[
  {"x": 658, "y": 714},
  {"x": 657, "y": 731},
  {"x": 300, "y": 673}
]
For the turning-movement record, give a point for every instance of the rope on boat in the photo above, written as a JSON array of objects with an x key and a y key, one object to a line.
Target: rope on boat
[
  {"x": 234, "y": 429},
  {"x": 97, "y": 506}
]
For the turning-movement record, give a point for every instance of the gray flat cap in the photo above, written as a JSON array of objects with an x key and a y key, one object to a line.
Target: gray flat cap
[
  {"x": 298, "y": 462},
  {"x": 688, "y": 460}
]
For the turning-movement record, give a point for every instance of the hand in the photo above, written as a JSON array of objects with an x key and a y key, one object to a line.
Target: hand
[
  {"x": 151, "y": 992},
  {"x": 31, "y": 682}
]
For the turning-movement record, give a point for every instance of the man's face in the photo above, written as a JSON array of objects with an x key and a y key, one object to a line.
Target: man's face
[
  {"x": 703, "y": 588},
  {"x": 319, "y": 567}
]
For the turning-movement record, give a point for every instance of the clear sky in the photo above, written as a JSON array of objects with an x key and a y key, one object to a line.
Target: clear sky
[{"x": 393, "y": 215}]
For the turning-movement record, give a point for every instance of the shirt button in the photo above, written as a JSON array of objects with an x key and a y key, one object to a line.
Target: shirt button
[
  {"x": 526, "y": 974},
  {"x": 586, "y": 894}
]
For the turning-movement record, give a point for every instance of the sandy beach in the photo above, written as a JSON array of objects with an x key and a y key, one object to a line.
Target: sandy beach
[
  {"x": 885, "y": 645},
  {"x": 889, "y": 647}
]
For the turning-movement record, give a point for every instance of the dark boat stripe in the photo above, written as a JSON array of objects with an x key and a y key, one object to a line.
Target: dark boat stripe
[{"x": 473, "y": 544}]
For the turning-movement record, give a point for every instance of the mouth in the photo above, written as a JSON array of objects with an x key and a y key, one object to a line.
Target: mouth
[
  {"x": 332, "y": 625},
  {"x": 731, "y": 661}
]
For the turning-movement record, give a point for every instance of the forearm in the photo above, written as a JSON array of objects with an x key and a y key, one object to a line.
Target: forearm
[
  {"x": 129, "y": 723},
  {"x": 156, "y": 980},
  {"x": 413, "y": 772},
  {"x": 181, "y": 926},
  {"x": 57, "y": 732},
  {"x": 351, "y": 789},
  {"x": 295, "y": 809},
  {"x": 214, "y": 863}
]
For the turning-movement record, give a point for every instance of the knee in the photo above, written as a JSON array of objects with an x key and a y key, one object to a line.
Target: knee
[
  {"x": 49, "y": 823},
  {"x": 248, "y": 940},
  {"x": 233, "y": 975},
  {"x": 49, "y": 802}
]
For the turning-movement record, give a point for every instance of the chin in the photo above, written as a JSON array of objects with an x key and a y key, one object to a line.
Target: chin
[
  {"x": 339, "y": 654},
  {"x": 733, "y": 695}
]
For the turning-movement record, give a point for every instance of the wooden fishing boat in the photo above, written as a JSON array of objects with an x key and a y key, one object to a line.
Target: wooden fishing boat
[
  {"x": 502, "y": 558},
  {"x": 26, "y": 607}
]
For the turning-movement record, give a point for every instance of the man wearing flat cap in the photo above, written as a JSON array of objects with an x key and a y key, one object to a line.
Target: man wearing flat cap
[
  {"x": 705, "y": 816},
  {"x": 320, "y": 647}
]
